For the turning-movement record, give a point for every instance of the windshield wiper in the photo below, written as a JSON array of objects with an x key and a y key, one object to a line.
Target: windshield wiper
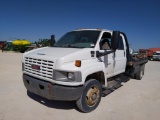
[
  {"x": 73, "y": 46},
  {"x": 68, "y": 46},
  {"x": 60, "y": 46}
]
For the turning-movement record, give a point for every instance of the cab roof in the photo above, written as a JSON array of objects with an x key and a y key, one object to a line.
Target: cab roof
[{"x": 97, "y": 29}]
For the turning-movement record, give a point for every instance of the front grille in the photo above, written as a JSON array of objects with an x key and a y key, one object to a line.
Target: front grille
[{"x": 46, "y": 67}]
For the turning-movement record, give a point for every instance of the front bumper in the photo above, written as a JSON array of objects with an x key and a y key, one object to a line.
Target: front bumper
[{"x": 52, "y": 91}]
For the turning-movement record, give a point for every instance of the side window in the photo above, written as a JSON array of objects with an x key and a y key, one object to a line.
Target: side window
[
  {"x": 105, "y": 41},
  {"x": 121, "y": 45}
]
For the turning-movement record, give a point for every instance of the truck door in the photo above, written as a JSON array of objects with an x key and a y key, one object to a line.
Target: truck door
[
  {"x": 107, "y": 59},
  {"x": 119, "y": 63}
]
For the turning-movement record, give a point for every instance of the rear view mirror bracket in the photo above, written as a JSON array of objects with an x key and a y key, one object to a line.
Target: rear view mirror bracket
[{"x": 100, "y": 54}]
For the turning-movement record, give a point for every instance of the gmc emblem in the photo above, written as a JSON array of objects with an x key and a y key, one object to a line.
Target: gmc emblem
[{"x": 36, "y": 67}]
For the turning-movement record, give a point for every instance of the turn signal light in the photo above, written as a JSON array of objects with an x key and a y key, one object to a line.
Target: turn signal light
[{"x": 78, "y": 63}]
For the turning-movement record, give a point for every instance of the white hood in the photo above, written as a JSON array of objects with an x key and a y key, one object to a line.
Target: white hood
[
  {"x": 50, "y": 52},
  {"x": 53, "y": 51},
  {"x": 60, "y": 55}
]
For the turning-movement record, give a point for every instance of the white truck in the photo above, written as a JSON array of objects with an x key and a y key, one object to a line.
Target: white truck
[
  {"x": 81, "y": 66},
  {"x": 156, "y": 55}
]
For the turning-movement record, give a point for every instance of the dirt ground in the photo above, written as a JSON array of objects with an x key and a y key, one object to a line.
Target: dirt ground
[{"x": 135, "y": 100}]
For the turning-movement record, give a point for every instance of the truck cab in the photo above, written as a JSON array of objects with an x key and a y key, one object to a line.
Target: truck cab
[{"x": 79, "y": 65}]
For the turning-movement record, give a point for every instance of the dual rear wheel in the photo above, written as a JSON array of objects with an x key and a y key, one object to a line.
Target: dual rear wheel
[{"x": 140, "y": 73}]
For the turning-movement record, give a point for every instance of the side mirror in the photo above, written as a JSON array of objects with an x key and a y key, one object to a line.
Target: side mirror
[
  {"x": 100, "y": 45},
  {"x": 115, "y": 40}
]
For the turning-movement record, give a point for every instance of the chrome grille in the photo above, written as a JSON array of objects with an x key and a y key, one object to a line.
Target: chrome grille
[{"x": 46, "y": 67}]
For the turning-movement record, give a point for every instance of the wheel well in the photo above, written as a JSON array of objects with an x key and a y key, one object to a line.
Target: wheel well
[{"x": 98, "y": 76}]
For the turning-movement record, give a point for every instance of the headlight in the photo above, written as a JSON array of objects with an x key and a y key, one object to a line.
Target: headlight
[
  {"x": 67, "y": 76},
  {"x": 71, "y": 76}
]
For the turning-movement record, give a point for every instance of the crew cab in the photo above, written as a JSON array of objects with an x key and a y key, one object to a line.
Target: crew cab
[{"x": 80, "y": 66}]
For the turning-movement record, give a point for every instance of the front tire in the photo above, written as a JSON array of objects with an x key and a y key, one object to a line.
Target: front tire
[{"x": 90, "y": 97}]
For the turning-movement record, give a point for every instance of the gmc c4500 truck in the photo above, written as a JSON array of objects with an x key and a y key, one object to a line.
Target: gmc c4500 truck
[{"x": 81, "y": 66}]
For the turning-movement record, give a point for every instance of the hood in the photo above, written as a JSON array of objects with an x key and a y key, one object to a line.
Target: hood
[
  {"x": 50, "y": 52},
  {"x": 60, "y": 55}
]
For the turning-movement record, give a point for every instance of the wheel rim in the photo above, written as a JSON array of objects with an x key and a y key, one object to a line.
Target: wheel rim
[{"x": 92, "y": 96}]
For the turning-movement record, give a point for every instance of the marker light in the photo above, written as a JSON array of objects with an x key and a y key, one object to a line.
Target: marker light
[{"x": 78, "y": 63}]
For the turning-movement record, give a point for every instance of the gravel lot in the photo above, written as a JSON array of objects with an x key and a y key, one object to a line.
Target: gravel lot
[{"x": 135, "y": 100}]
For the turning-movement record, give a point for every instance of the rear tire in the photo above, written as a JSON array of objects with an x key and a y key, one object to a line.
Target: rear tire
[
  {"x": 140, "y": 73},
  {"x": 132, "y": 76},
  {"x": 90, "y": 97}
]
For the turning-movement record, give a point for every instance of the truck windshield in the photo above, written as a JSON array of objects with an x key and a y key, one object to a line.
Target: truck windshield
[{"x": 78, "y": 39}]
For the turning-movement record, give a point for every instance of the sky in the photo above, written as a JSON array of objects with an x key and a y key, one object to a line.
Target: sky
[{"x": 39, "y": 19}]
